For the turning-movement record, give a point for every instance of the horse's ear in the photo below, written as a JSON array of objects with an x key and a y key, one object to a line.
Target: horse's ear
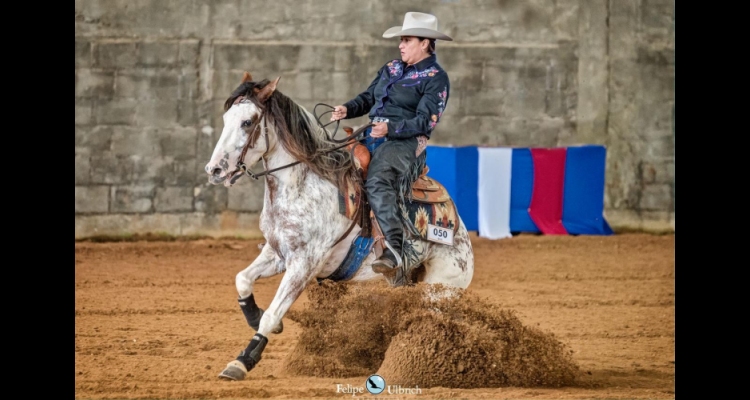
[
  {"x": 246, "y": 77},
  {"x": 268, "y": 90}
]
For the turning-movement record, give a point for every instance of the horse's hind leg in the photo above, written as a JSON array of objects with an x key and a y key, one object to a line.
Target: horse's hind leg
[
  {"x": 267, "y": 264},
  {"x": 451, "y": 265}
]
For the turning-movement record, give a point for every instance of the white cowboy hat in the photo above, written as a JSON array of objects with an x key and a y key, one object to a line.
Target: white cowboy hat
[{"x": 417, "y": 24}]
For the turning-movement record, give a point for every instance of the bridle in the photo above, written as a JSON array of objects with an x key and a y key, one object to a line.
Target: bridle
[
  {"x": 252, "y": 138},
  {"x": 241, "y": 166}
]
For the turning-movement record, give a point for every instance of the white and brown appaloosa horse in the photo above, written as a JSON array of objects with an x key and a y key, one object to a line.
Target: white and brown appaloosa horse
[{"x": 307, "y": 235}]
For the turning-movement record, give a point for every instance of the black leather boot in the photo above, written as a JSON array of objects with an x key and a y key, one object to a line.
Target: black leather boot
[{"x": 390, "y": 161}]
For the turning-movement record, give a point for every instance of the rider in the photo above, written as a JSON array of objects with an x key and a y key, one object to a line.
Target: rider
[{"x": 405, "y": 101}]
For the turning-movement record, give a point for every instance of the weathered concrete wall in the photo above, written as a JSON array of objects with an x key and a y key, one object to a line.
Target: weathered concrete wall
[{"x": 151, "y": 76}]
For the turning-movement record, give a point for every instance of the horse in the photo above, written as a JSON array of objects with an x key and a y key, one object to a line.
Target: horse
[{"x": 306, "y": 235}]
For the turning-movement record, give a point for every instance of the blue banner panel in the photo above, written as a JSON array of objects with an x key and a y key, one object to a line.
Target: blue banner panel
[
  {"x": 467, "y": 173},
  {"x": 521, "y": 187},
  {"x": 583, "y": 193},
  {"x": 456, "y": 169}
]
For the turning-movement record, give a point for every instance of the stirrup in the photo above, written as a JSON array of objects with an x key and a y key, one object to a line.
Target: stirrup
[
  {"x": 386, "y": 265},
  {"x": 399, "y": 261}
]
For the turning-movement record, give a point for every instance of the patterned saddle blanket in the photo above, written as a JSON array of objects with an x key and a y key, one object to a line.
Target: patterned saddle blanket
[{"x": 429, "y": 204}]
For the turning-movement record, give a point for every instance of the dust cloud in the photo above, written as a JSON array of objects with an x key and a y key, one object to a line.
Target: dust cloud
[{"x": 409, "y": 338}]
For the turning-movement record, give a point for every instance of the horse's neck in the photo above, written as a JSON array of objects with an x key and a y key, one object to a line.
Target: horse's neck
[
  {"x": 300, "y": 198},
  {"x": 278, "y": 157},
  {"x": 293, "y": 181}
]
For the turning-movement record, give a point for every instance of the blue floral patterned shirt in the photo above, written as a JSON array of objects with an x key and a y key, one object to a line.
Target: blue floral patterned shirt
[{"x": 413, "y": 98}]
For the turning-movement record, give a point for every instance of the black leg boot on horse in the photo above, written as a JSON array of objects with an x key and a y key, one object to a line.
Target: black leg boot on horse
[
  {"x": 253, "y": 314},
  {"x": 390, "y": 161}
]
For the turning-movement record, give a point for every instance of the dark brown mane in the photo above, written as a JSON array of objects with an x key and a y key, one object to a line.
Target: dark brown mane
[{"x": 298, "y": 136}]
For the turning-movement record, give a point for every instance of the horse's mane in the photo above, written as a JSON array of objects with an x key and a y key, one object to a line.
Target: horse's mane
[{"x": 304, "y": 140}]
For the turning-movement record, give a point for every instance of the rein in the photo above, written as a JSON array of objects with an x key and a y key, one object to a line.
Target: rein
[{"x": 251, "y": 143}]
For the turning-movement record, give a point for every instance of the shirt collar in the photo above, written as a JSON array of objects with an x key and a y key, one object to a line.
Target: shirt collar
[{"x": 426, "y": 63}]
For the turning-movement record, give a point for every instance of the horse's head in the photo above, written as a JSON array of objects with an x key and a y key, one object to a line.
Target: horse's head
[{"x": 244, "y": 138}]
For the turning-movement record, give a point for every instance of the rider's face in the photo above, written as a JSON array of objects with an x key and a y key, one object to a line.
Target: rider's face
[{"x": 412, "y": 49}]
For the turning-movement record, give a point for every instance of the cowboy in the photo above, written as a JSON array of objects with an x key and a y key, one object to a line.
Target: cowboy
[{"x": 405, "y": 102}]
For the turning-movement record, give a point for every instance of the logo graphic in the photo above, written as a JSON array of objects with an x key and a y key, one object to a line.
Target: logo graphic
[{"x": 375, "y": 384}]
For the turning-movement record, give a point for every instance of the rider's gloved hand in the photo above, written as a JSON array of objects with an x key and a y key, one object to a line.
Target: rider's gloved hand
[
  {"x": 339, "y": 112},
  {"x": 379, "y": 129}
]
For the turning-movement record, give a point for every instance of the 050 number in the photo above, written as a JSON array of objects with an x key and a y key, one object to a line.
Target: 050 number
[{"x": 440, "y": 233}]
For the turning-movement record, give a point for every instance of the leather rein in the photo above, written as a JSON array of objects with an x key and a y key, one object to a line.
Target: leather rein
[{"x": 241, "y": 166}]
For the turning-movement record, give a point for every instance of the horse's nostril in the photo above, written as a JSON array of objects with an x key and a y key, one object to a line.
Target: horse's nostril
[{"x": 216, "y": 172}]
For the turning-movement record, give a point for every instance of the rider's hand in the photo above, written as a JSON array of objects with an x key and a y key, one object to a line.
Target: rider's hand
[
  {"x": 379, "y": 129},
  {"x": 339, "y": 112}
]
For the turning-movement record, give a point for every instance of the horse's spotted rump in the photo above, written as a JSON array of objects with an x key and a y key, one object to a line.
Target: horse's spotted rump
[{"x": 462, "y": 264}]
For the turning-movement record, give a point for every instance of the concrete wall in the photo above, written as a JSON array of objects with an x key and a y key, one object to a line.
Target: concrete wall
[{"x": 151, "y": 76}]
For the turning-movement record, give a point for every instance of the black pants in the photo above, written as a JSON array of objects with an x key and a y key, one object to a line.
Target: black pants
[{"x": 390, "y": 161}]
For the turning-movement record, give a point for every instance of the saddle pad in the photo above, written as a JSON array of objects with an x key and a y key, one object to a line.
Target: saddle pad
[
  {"x": 441, "y": 214},
  {"x": 425, "y": 191},
  {"x": 348, "y": 201}
]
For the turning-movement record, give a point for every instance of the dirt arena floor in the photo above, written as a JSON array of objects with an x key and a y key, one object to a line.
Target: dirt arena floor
[{"x": 573, "y": 317}]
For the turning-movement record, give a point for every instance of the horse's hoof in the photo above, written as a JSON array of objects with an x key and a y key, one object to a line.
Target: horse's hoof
[{"x": 234, "y": 371}]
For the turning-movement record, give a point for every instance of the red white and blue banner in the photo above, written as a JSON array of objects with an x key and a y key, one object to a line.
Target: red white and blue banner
[{"x": 504, "y": 191}]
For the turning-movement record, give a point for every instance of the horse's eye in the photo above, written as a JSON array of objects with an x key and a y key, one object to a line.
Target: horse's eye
[{"x": 246, "y": 123}]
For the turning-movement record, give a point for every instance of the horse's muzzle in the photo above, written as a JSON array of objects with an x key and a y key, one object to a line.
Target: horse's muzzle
[
  {"x": 216, "y": 179},
  {"x": 215, "y": 174}
]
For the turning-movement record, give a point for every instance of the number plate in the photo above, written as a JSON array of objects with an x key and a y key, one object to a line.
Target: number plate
[{"x": 438, "y": 234}]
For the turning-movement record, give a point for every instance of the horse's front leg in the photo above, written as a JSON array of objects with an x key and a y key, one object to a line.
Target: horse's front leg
[
  {"x": 267, "y": 264},
  {"x": 297, "y": 276}
]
